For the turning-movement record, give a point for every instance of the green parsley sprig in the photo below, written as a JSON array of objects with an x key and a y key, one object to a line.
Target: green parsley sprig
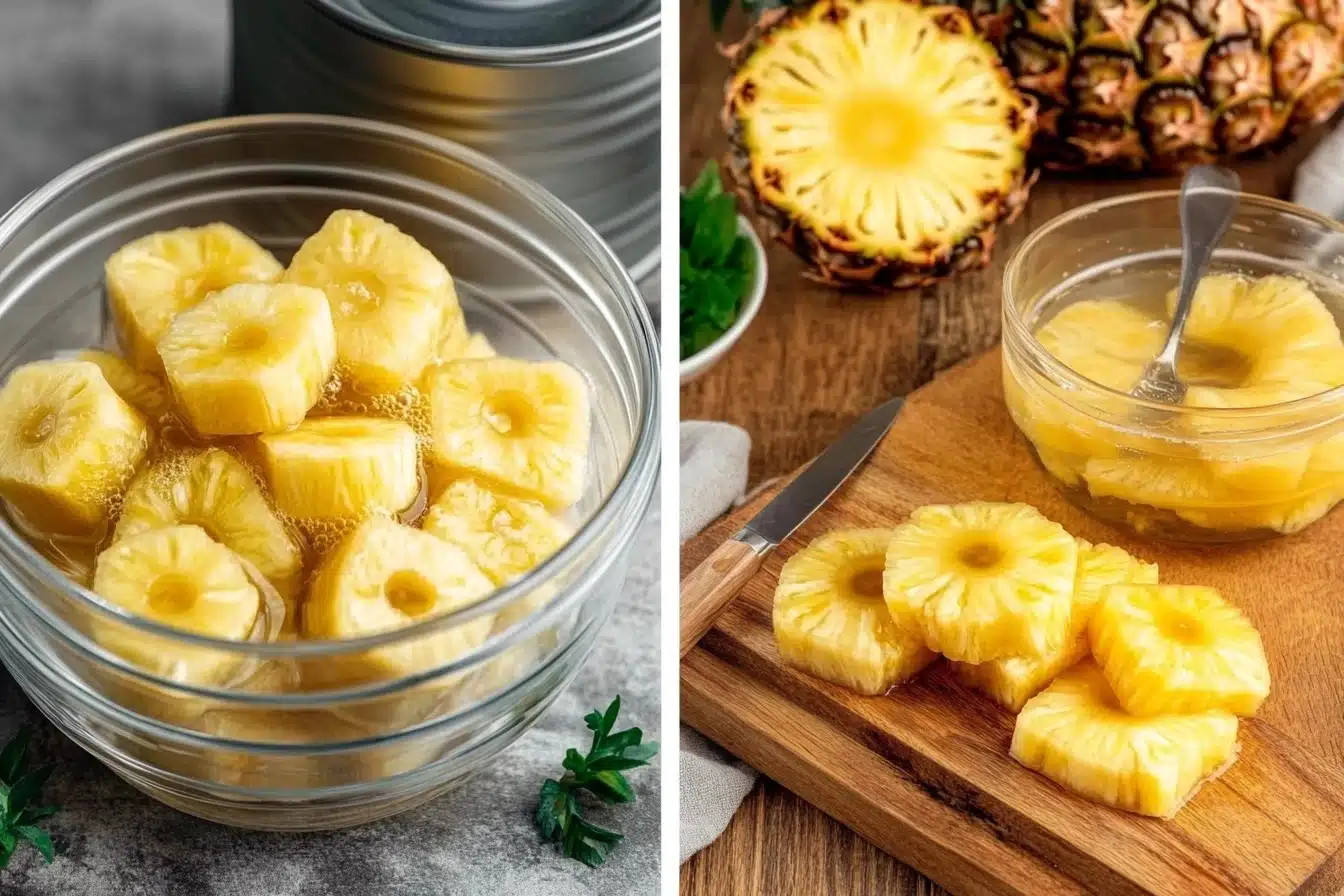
[
  {"x": 19, "y": 792},
  {"x": 559, "y": 816},
  {"x": 717, "y": 263}
]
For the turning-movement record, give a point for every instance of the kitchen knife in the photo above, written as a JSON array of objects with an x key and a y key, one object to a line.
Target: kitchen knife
[{"x": 711, "y": 585}]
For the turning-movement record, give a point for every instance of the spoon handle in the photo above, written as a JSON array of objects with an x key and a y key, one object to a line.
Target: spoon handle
[{"x": 1208, "y": 198}]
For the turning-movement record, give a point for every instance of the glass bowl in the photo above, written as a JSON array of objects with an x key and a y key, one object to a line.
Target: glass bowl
[
  {"x": 263, "y": 751},
  {"x": 1209, "y": 474}
]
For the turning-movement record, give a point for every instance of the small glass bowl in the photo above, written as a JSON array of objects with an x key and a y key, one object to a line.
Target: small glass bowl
[
  {"x": 1182, "y": 474},
  {"x": 268, "y": 749}
]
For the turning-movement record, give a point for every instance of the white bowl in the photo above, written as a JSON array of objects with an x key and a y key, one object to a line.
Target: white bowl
[{"x": 707, "y": 357}]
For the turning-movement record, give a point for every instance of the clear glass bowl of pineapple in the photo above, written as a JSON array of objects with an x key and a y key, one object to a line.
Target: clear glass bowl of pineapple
[
  {"x": 1256, "y": 449},
  {"x": 324, "y": 444}
]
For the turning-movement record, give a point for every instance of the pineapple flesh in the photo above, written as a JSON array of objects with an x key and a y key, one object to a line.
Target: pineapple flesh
[
  {"x": 830, "y": 619},
  {"x": 521, "y": 426},
  {"x": 1077, "y": 734},
  {"x": 216, "y": 492},
  {"x": 1015, "y": 680},
  {"x": 391, "y": 299},
  {"x": 384, "y": 576},
  {"x": 1172, "y": 649},
  {"x": 251, "y": 358},
  {"x": 145, "y": 392},
  {"x": 68, "y": 445},
  {"x": 983, "y": 581},
  {"x": 342, "y": 467},
  {"x": 153, "y": 279},
  {"x": 882, "y": 141},
  {"x": 503, "y": 535},
  {"x": 179, "y": 577}
]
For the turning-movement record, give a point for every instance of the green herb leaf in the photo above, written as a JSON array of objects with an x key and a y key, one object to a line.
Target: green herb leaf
[
  {"x": 28, "y": 787},
  {"x": 559, "y": 818},
  {"x": 717, "y": 262},
  {"x": 39, "y": 838},
  {"x": 11, "y": 757},
  {"x": 19, "y": 792},
  {"x": 7, "y": 843}
]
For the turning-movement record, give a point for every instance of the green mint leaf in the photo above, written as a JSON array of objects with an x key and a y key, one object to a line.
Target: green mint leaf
[
  {"x": 615, "y": 764},
  {"x": 610, "y": 787},
  {"x": 11, "y": 757},
  {"x": 575, "y": 762},
  {"x": 642, "y": 752},
  {"x": 714, "y": 232},
  {"x": 599, "y": 834},
  {"x": 28, "y": 787},
  {"x": 7, "y": 844},
  {"x": 619, "y": 741},
  {"x": 39, "y": 838},
  {"x": 554, "y": 809},
  {"x": 609, "y": 717},
  {"x": 34, "y": 814},
  {"x": 707, "y": 184}
]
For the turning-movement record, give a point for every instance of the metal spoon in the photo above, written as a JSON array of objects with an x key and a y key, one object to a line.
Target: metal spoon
[{"x": 1208, "y": 201}]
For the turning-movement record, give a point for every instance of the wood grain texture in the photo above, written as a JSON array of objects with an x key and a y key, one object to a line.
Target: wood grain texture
[
  {"x": 925, "y": 772},
  {"x": 707, "y": 590}
]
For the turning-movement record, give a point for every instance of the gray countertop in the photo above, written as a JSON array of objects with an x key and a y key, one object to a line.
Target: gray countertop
[{"x": 79, "y": 76}]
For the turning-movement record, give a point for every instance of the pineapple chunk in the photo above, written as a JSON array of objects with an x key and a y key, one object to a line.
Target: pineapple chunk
[
  {"x": 830, "y": 620},
  {"x": 478, "y": 347},
  {"x": 152, "y": 280},
  {"x": 68, "y": 445},
  {"x": 179, "y": 577},
  {"x": 504, "y": 536},
  {"x": 250, "y": 358},
  {"x": 1015, "y": 680},
  {"x": 1076, "y": 735},
  {"x": 983, "y": 581},
  {"x": 391, "y": 299},
  {"x": 143, "y": 391},
  {"x": 520, "y": 425},
  {"x": 342, "y": 467},
  {"x": 1178, "y": 649},
  {"x": 385, "y": 576},
  {"x": 213, "y": 490}
]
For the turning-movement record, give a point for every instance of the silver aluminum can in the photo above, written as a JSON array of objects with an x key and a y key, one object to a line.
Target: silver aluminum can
[{"x": 564, "y": 92}]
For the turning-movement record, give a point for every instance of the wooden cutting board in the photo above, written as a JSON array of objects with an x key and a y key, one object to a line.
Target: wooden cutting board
[{"x": 924, "y": 773}]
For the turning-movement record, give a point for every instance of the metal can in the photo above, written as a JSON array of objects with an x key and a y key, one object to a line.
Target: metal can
[{"x": 564, "y": 92}]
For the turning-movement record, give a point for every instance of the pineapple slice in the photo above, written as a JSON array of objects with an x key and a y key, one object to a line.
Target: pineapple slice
[
  {"x": 152, "y": 280},
  {"x": 1108, "y": 342},
  {"x": 391, "y": 299},
  {"x": 212, "y": 489},
  {"x": 1076, "y": 735},
  {"x": 520, "y": 425},
  {"x": 1257, "y": 324},
  {"x": 68, "y": 445},
  {"x": 1172, "y": 483},
  {"x": 1015, "y": 680},
  {"x": 983, "y": 581},
  {"x": 1178, "y": 649},
  {"x": 342, "y": 467},
  {"x": 830, "y": 620},
  {"x": 250, "y": 358},
  {"x": 143, "y": 391},
  {"x": 504, "y": 536},
  {"x": 385, "y": 576},
  {"x": 179, "y": 577}
]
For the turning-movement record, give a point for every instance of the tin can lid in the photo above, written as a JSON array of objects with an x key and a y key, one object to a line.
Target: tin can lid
[{"x": 513, "y": 24}]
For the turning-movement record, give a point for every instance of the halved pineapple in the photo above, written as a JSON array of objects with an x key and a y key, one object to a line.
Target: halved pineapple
[
  {"x": 212, "y": 489},
  {"x": 504, "y": 536},
  {"x": 983, "y": 581},
  {"x": 1077, "y": 735},
  {"x": 145, "y": 392},
  {"x": 250, "y": 358},
  {"x": 830, "y": 619},
  {"x": 385, "y": 576},
  {"x": 342, "y": 467},
  {"x": 882, "y": 141},
  {"x": 68, "y": 445},
  {"x": 1015, "y": 680},
  {"x": 391, "y": 299},
  {"x": 153, "y": 279},
  {"x": 520, "y": 425},
  {"x": 179, "y": 577},
  {"x": 1178, "y": 649}
]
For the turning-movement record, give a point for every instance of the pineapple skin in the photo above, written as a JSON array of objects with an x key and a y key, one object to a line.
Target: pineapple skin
[
  {"x": 68, "y": 445},
  {"x": 503, "y": 535},
  {"x": 242, "y": 391},
  {"x": 154, "y": 278},
  {"x": 824, "y": 627},
  {"x": 1178, "y": 649},
  {"x": 342, "y": 467},
  {"x": 1075, "y": 735},
  {"x": 523, "y": 427},
  {"x": 1019, "y": 606},
  {"x": 226, "y": 604}
]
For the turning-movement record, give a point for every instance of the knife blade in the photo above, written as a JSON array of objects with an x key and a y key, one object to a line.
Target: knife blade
[{"x": 711, "y": 585}]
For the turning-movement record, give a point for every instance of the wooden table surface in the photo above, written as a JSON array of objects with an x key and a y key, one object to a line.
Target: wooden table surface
[{"x": 812, "y": 361}]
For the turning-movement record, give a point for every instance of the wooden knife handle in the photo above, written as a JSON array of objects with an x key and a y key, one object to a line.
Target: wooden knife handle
[{"x": 711, "y": 585}]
